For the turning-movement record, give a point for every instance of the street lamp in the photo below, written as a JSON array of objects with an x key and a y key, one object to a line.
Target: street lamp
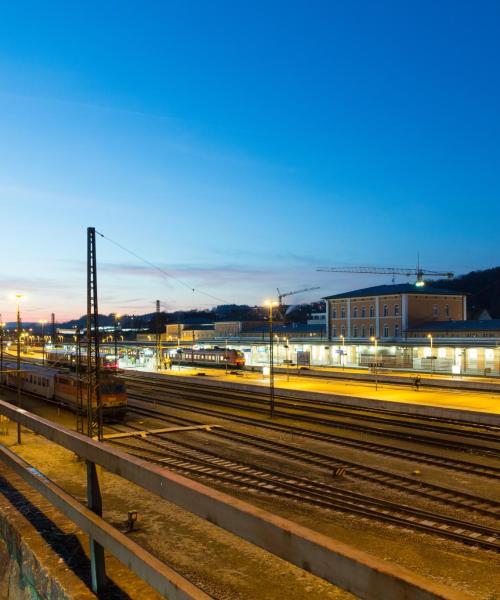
[
  {"x": 270, "y": 304},
  {"x": 42, "y": 323},
  {"x": 429, "y": 335},
  {"x": 375, "y": 341},
  {"x": 343, "y": 351}
]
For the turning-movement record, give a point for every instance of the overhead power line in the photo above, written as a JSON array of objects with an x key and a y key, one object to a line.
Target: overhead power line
[{"x": 162, "y": 271}]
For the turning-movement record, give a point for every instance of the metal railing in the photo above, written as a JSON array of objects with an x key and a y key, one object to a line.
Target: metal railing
[{"x": 351, "y": 569}]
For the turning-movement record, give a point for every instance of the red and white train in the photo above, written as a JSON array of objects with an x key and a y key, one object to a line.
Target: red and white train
[
  {"x": 218, "y": 357},
  {"x": 50, "y": 384},
  {"x": 68, "y": 358}
]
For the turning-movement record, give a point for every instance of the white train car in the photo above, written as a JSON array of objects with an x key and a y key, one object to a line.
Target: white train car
[
  {"x": 51, "y": 384},
  {"x": 34, "y": 379}
]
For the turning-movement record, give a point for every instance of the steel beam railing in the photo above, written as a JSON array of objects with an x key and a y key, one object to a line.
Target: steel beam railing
[{"x": 353, "y": 570}]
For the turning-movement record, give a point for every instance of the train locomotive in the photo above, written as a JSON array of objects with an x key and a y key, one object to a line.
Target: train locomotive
[
  {"x": 217, "y": 357},
  {"x": 51, "y": 384}
]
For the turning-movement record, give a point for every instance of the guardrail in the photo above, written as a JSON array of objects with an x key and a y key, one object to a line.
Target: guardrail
[{"x": 351, "y": 569}]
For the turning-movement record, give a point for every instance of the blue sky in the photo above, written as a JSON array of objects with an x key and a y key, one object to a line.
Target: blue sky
[{"x": 241, "y": 145}]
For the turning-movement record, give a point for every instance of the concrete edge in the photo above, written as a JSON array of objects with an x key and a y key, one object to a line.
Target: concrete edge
[{"x": 42, "y": 581}]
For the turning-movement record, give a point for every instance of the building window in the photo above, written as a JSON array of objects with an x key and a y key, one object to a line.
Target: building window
[
  {"x": 447, "y": 310},
  {"x": 396, "y": 310},
  {"x": 355, "y": 331},
  {"x": 363, "y": 312},
  {"x": 372, "y": 331},
  {"x": 334, "y": 313},
  {"x": 396, "y": 330},
  {"x": 435, "y": 310},
  {"x": 372, "y": 311},
  {"x": 355, "y": 312},
  {"x": 363, "y": 331},
  {"x": 334, "y": 331},
  {"x": 342, "y": 331},
  {"x": 342, "y": 313},
  {"x": 386, "y": 310},
  {"x": 386, "y": 330}
]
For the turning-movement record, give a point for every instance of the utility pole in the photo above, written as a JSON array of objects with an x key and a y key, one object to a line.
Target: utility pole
[
  {"x": 115, "y": 337},
  {"x": 18, "y": 335},
  {"x": 158, "y": 336},
  {"x": 94, "y": 417},
  {"x": 2, "y": 326},
  {"x": 42, "y": 323},
  {"x": 53, "y": 329},
  {"x": 271, "y": 304},
  {"x": 79, "y": 389}
]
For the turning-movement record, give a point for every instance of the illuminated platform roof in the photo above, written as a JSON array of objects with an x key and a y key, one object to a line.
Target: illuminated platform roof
[{"x": 398, "y": 288}]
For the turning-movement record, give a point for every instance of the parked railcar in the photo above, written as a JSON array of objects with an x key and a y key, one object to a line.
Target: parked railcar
[
  {"x": 218, "y": 357},
  {"x": 50, "y": 384},
  {"x": 68, "y": 358}
]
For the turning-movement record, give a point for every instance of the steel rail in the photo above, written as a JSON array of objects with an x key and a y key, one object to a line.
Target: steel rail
[
  {"x": 238, "y": 400},
  {"x": 402, "y": 483},
  {"x": 412, "y": 455},
  {"x": 165, "y": 381},
  {"x": 300, "y": 489}
]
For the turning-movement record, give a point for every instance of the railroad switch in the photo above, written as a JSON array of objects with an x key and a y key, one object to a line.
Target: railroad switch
[
  {"x": 131, "y": 519},
  {"x": 339, "y": 472}
]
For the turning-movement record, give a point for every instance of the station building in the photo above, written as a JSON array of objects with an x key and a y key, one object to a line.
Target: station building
[
  {"x": 399, "y": 326},
  {"x": 388, "y": 311}
]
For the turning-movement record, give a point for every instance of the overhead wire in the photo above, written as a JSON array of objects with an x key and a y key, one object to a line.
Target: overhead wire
[{"x": 162, "y": 271}]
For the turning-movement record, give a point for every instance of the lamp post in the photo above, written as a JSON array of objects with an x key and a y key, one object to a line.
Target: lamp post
[
  {"x": 270, "y": 304},
  {"x": 225, "y": 355},
  {"x": 343, "y": 351},
  {"x": 18, "y": 362},
  {"x": 375, "y": 341},
  {"x": 42, "y": 323},
  {"x": 429, "y": 335},
  {"x": 115, "y": 338},
  {"x": 287, "y": 349}
]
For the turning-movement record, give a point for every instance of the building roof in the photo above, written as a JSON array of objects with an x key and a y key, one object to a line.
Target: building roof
[
  {"x": 398, "y": 288},
  {"x": 469, "y": 325}
]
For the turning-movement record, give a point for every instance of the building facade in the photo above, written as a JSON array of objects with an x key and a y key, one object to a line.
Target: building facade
[{"x": 389, "y": 311}]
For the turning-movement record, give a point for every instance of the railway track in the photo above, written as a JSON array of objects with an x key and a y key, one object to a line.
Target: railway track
[
  {"x": 311, "y": 412},
  {"x": 193, "y": 462},
  {"x": 400, "y": 483},
  {"x": 394, "y": 451},
  {"x": 351, "y": 409}
]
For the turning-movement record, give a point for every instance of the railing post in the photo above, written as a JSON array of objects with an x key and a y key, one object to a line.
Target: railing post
[{"x": 94, "y": 503}]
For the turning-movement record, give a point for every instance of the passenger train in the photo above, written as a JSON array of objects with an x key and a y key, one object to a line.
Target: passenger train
[
  {"x": 50, "y": 384},
  {"x": 67, "y": 358},
  {"x": 218, "y": 357}
]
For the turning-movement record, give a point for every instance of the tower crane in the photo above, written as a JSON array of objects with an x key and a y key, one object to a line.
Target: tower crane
[
  {"x": 417, "y": 272},
  {"x": 284, "y": 295}
]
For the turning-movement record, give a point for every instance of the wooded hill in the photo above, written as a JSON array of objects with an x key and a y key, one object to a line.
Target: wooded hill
[{"x": 483, "y": 287}]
